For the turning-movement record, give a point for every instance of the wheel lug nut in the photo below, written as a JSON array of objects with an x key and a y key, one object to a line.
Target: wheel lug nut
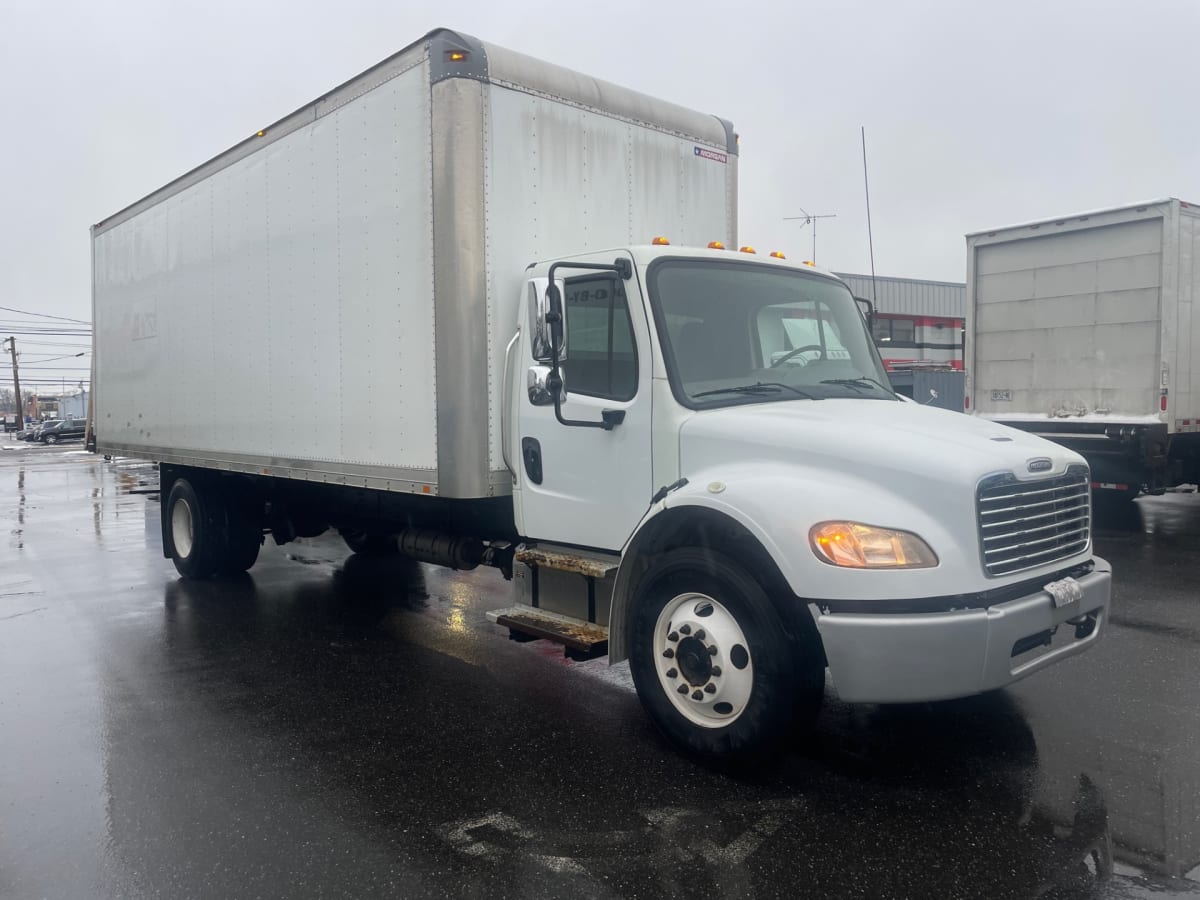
[
  {"x": 683, "y": 689},
  {"x": 669, "y": 653},
  {"x": 710, "y": 688},
  {"x": 671, "y": 673},
  {"x": 696, "y": 695},
  {"x": 685, "y": 629},
  {"x": 716, "y": 671},
  {"x": 672, "y": 636},
  {"x": 712, "y": 650},
  {"x": 700, "y": 635}
]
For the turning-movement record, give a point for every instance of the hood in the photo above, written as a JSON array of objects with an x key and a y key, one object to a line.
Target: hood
[{"x": 884, "y": 443}]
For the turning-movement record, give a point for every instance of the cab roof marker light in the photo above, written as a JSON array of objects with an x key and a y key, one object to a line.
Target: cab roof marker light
[
  {"x": 660, "y": 241},
  {"x": 747, "y": 249},
  {"x": 457, "y": 56},
  {"x": 775, "y": 254},
  {"x": 808, "y": 262},
  {"x": 715, "y": 245}
]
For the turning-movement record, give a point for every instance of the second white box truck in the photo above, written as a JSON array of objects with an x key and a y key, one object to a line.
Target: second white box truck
[
  {"x": 686, "y": 456},
  {"x": 1080, "y": 329}
]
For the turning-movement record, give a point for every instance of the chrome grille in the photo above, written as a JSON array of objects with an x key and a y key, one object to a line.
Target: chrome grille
[{"x": 1025, "y": 524}]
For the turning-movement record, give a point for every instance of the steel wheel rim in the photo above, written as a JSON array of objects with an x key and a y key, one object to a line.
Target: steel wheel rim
[
  {"x": 702, "y": 660},
  {"x": 181, "y": 528}
]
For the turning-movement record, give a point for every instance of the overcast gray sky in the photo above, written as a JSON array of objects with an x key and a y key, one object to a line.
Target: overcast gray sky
[{"x": 977, "y": 114}]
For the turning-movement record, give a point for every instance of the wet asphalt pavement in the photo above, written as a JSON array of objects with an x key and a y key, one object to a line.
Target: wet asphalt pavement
[{"x": 331, "y": 726}]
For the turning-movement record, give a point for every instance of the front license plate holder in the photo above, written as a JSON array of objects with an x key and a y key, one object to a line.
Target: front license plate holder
[{"x": 1064, "y": 592}]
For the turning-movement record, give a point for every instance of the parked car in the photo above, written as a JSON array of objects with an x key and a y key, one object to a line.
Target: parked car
[
  {"x": 33, "y": 432},
  {"x": 66, "y": 430}
]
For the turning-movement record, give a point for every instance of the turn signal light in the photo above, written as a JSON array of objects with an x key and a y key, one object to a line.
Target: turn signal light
[
  {"x": 775, "y": 254},
  {"x": 455, "y": 56},
  {"x": 715, "y": 245},
  {"x": 747, "y": 249},
  {"x": 661, "y": 241}
]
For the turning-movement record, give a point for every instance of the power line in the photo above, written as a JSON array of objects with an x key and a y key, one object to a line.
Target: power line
[
  {"x": 24, "y": 331},
  {"x": 44, "y": 315},
  {"x": 56, "y": 344}
]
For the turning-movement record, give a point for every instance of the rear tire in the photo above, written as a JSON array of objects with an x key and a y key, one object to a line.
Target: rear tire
[
  {"x": 243, "y": 536},
  {"x": 712, "y": 662},
  {"x": 192, "y": 535}
]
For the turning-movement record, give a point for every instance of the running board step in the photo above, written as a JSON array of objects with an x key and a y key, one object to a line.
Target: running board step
[
  {"x": 567, "y": 559},
  {"x": 581, "y": 640}
]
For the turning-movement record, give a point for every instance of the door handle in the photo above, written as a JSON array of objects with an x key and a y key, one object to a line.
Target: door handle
[{"x": 531, "y": 453}]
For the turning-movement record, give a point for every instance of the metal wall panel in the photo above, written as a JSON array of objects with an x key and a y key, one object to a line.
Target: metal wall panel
[
  {"x": 554, "y": 175},
  {"x": 949, "y": 387},
  {"x": 303, "y": 270},
  {"x": 910, "y": 296}
]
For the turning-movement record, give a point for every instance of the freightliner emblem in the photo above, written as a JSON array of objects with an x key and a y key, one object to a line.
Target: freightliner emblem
[{"x": 1041, "y": 464}]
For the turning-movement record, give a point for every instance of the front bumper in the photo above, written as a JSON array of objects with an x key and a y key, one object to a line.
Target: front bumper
[{"x": 914, "y": 657}]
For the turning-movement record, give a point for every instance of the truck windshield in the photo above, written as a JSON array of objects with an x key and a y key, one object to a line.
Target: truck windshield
[{"x": 736, "y": 332}]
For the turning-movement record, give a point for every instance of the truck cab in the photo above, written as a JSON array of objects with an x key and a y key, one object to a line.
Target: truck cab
[{"x": 720, "y": 427}]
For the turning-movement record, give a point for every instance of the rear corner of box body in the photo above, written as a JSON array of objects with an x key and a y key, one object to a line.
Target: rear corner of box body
[{"x": 1181, "y": 256}]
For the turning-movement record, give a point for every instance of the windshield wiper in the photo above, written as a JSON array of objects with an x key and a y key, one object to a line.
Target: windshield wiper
[
  {"x": 759, "y": 387},
  {"x": 858, "y": 383}
]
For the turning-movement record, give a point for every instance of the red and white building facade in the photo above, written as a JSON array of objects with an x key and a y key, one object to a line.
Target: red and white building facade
[{"x": 918, "y": 324}]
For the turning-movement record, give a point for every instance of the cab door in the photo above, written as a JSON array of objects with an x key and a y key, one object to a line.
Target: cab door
[{"x": 579, "y": 483}]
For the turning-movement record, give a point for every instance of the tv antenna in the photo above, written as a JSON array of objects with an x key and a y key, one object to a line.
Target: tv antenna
[{"x": 806, "y": 219}]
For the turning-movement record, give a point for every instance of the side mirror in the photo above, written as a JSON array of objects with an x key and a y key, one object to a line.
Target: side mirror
[{"x": 547, "y": 319}]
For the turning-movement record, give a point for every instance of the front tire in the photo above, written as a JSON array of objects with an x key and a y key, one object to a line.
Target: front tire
[
  {"x": 52, "y": 439},
  {"x": 712, "y": 661}
]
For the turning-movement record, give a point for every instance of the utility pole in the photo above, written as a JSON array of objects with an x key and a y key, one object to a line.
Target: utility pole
[
  {"x": 12, "y": 349},
  {"x": 806, "y": 219}
]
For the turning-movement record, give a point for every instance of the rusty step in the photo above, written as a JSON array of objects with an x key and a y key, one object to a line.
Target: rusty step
[
  {"x": 568, "y": 559},
  {"x": 580, "y": 639}
]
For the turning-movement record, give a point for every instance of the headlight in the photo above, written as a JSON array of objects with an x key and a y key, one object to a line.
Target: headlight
[{"x": 858, "y": 546}]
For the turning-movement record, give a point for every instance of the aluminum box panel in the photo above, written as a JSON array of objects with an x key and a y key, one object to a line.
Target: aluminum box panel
[{"x": 262, "y": 310}]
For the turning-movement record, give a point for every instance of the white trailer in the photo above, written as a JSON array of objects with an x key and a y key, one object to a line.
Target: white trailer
[
  {"x": 685, "y": 456},
  {"x": 1080, "y": 329}
]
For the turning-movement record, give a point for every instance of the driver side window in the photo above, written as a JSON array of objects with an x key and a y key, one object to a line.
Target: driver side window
[{"x": 601, "y": 355}]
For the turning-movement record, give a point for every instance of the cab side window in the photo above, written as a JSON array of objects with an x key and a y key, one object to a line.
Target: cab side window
[{"x": 601, "y": 355}]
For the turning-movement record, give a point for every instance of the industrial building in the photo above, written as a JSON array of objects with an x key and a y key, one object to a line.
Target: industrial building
[{"x": 918, "y": 324}]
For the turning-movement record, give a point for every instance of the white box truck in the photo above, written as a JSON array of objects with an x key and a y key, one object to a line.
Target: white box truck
[
  {"x": 685, "y": 456},
  {"x": 1080, "y": 329}
]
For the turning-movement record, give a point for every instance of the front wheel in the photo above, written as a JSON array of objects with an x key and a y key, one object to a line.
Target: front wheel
[
  {"x": 52, "y": 439},
  {"x": 713, "y": 664}
]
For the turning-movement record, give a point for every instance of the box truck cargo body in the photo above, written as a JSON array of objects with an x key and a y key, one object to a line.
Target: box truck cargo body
[
  {"x": 426, "y": 310},
  {"x": 1080, "y": 329}
]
